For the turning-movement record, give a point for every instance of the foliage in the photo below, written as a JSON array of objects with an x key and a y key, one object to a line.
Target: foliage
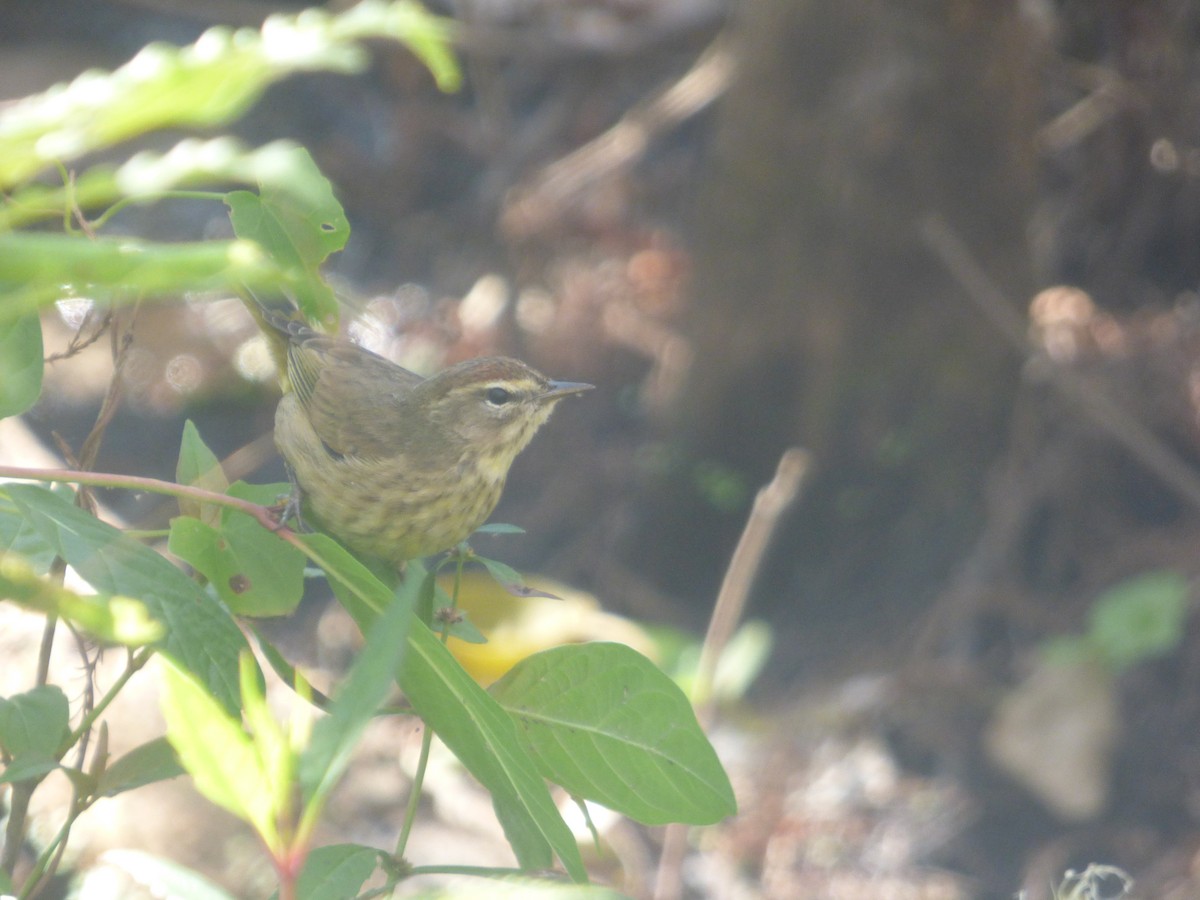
[
  {"x": 1138, "y": 619},
  {"x": 598, "y": 719}
]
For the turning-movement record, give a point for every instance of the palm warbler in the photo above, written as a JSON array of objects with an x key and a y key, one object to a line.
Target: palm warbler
[{"x": 394, "y": 465}]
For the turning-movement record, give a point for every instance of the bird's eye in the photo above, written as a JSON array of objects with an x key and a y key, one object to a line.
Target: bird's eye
[{"x": 498, "y": 396}]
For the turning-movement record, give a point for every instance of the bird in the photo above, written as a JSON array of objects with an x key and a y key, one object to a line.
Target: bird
[{"x": 394, "y": 465}]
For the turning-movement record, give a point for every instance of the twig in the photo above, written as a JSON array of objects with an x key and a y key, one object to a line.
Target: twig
[
  {"x": 772, "y": 501},
  {"x": 1093, "y": 402},
  {"x": 770, "y": 504},
  {"x": 260, "y": 514},
  {"x": 538, "y": 204}
]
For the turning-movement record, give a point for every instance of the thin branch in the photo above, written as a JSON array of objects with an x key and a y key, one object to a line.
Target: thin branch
[
  {"x": 538, "y": 203},
  {"x": 770, "y": 504},
  {"x": 260, "y": 514}
]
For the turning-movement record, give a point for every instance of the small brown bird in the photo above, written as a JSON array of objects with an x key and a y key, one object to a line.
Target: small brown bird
[{"x": 394, "y": 465}]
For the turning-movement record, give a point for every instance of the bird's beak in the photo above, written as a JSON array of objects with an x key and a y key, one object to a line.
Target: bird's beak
[{"x": 563, "y": 388}]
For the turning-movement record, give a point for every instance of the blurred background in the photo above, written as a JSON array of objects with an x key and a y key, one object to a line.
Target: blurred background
[{"x": 949, "y": 247}]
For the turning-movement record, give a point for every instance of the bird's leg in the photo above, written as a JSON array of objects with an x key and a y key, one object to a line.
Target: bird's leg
[{"x": 289, "y": 508}]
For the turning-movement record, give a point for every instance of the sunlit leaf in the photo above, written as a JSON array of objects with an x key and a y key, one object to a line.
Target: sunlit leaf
[
  {"x": 120, "y": 620},
  {"x": 605, "y": 723},
  {"x": 222, "y": 759}
]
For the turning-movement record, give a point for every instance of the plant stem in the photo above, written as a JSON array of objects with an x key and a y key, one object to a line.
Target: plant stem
[
  {"x": 414, "y": 795},
  {"x": 136, "y": 662},
  {"x": 261, "y": 514}
]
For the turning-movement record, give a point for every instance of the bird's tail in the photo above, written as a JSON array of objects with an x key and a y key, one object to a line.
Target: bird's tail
[{"x": 279, "y": 325}]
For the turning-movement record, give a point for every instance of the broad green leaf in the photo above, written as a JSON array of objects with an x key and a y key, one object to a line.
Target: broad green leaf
[
  {"x": 252, "y": 570},
  {"x": 34, "y": 724},
  {"x": 199, "y": 467},
  {"x": 299, "y": 223},
  {"x": 337, "y": 870},
  {"x": 222, "y": 759},
  {"x": 147, "y": 174},
  {"x": 212, "y": 81},
  {"x": 20, "y": 363},
  {"x": 201, "y": 635},
  {"x": 163, "y": 877},
  {"x": 359, "y": 697},
  {"x": 121, "y": 620},
  {"x": 38, "y": 268},
  {"x": 297, "y": 218},
  {"x": 602, "y": 721},
  {"x": 479, "y": 733},
  {"x": 147, "y": 763}
]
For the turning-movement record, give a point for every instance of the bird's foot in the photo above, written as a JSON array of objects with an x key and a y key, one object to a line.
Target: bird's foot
[{"x": 288, "y": 508}]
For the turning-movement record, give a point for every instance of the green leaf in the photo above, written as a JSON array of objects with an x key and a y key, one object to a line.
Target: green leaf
[
  {"x": 148, "y": 174},
  {"x": 163, "y": 877},
  {"x": 34, "y": 724},
  {"x": 426, "y": 36},
  {"x": 120, "y": 620},
  {"x": 287, "y": 673},
  {"x": 337, "y": 870},
  {"x": 35, "y": 267},
  {"x": 252, "y": 570},
  {"x": 300, "y": 223},
  {"x": 485, "y": 740},
  {"x": 276, "y": 754},
  {"x": 199, "y": 467},
  {"x": 602, "y": 721},
  {"x": 364, "y": 690},
  {"x": 18, "y": 536},
  {"x": 356, "y": 587},
  {"x": 147, "y": 763},
  {"x": 212, "y": 81},
  {"x": 505, "y": 575},
  {"x": 1140, "y": 618},
  {"x": 28, "y": 768},
  {"x": 479, "y": 733},
  {"x": 201, "y": 635},
  {"x": 222, "y": 759},
  {"x": 20, "y": 363}
]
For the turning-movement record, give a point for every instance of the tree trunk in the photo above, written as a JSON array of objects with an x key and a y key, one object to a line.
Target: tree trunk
[{"x": 819, "y": 318}]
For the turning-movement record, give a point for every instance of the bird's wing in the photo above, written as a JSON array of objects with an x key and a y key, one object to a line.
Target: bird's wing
[{"x": 353, "y": 398}]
